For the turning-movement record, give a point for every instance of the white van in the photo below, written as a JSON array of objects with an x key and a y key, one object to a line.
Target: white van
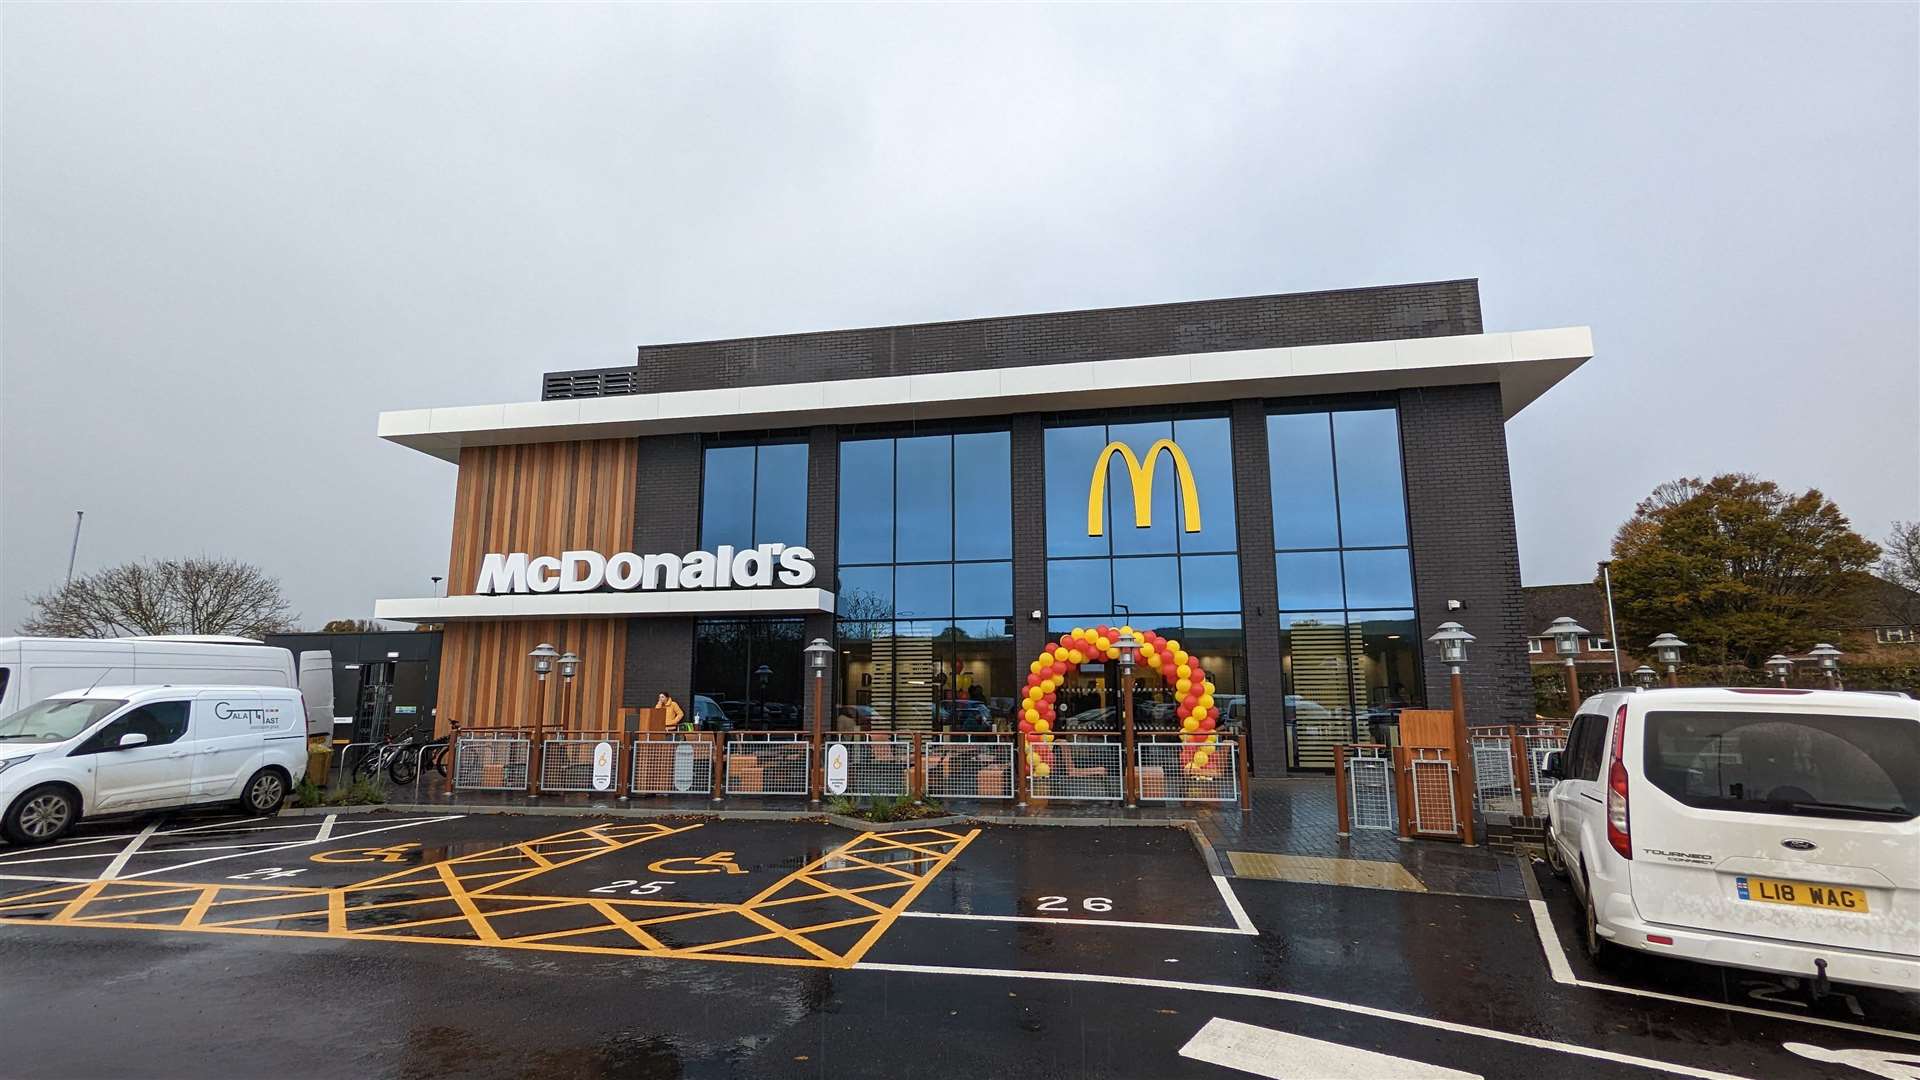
[
  {"x": 32, "y": 669},
  {"x": 115, "y": 749},
  {"x": 1771, "y": 829}
]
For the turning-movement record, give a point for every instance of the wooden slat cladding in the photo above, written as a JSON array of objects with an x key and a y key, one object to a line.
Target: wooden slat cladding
[{"x": 541, "y": 498}]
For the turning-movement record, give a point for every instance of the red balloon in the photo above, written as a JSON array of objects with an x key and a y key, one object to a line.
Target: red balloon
[
  {"x": 1103, "y": 630},
  {"x": 1206, "y": 723},
  {"x": 1191, "y": 700},
  {"x": 1181, "y": 711},
  {"x": 1033, "y": 679},
  {"x": 1213, "y": 713},
  {"x": 1026, "y": 725},
  {"x": 1059, "y": 668},
  {"x": 1066, "y": 641}
]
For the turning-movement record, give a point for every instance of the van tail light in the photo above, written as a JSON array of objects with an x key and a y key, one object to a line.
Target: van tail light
[{"x": 1619, "y": 826}]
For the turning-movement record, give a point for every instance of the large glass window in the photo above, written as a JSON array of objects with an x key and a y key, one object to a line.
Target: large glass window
[
  {"x": 754, "y": 494},
  {"x": 925, "y": 589},
  {"x": 751, "y": 669},
  {"x": 1349, "y": 640},
  {"x": 1161, "y": 577}
]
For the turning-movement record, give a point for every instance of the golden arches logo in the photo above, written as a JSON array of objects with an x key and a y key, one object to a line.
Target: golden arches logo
[{"x": 1141, "y": 476}]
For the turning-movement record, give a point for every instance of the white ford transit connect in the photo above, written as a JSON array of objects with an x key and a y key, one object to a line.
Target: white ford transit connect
[
  {"x": 1771, "y": 829},
  {"x": 115, "y": 749}
]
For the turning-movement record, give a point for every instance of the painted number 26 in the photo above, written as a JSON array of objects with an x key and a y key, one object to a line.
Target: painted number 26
[{"x": 1091, "y": 903}]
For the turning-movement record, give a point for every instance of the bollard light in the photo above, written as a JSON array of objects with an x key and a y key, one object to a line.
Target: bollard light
[
  {"x": 819, "y": 654},
  {"x": 569, "y": 665},
  {"x": 1453, "y": 640},
  {"x": 1667, "y": 648},
  {"x": 1780, "y": 667},
  {"x": 1566, "y": 635},
  {"x": 1645, "y": 676},
  {"x": 1127, "y": 644},
  {"x": 1827, "y": 655},
  {"x": 543, "y": 656}
]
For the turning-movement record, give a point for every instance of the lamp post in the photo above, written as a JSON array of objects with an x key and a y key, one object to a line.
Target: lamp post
[
  {"x": 1613, "y": 629},
  {"x": 1645, "y": 676},
  {"x": 1566, "y": 635},
  {"x": 1829, "y": 658},
  {"x": 818, "y": 654},
  {"x": 543, "y": 656},
  {"x": 1666, "y": 648},
  {"x": 1780, "y": 667},
  {"x": 1453, "y": 640},
  {"x": 1129, "y": 777},
  {"x": 569, "y": 667}
]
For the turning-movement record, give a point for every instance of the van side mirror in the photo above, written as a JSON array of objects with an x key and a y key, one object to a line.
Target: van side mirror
[
  {"x": 1551, "y": 767},
  {"x": 132, "y": 738}
]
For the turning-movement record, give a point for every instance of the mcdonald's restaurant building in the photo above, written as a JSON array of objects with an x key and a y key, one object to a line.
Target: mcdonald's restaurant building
[{"x": 1297, "y": 488}]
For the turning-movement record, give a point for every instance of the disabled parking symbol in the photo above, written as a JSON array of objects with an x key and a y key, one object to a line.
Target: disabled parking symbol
[
  {"x": 717, "y": 863},
  {"x": 392, "y": 853}
]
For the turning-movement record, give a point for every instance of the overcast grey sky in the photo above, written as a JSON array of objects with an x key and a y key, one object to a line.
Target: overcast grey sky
[{"x": 232, "y": 235}]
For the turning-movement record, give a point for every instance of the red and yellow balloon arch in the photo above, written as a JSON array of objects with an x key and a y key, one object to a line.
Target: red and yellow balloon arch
[{"x": 1197, "y": 714}]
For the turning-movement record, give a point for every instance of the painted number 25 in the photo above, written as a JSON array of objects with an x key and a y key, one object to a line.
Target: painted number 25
[
  {"x": 648, "y": 889},
  {"x": 1091, "y": 903}
]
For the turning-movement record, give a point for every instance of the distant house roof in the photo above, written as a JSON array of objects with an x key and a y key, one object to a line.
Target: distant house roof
[
  {"x": 1883, "y": 603},
  {"x": 1583, "y": 602}
]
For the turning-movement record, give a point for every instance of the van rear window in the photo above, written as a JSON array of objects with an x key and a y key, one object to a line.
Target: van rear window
[{"x": 1861, "y": 767}]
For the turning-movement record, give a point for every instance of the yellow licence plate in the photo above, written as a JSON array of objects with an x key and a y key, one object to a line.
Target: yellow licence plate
[{"x": 1800, "y": 894}]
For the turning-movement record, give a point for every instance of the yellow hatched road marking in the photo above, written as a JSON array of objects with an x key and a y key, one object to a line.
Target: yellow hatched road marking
[{"x": 97, "y": 904}]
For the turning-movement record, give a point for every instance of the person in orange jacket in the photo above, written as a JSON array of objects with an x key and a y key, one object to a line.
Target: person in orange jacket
[{"x": 675, "y": 714}]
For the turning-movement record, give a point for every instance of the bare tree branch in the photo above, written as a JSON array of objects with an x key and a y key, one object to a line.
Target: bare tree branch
[{"x": 199, "y": 595}]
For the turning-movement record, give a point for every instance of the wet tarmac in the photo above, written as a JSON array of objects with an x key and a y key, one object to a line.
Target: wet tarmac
[{"x": 505, "y": 946}]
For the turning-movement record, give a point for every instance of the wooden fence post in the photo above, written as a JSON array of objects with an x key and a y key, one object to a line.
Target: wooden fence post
[{"x": 1342, "y": 813}]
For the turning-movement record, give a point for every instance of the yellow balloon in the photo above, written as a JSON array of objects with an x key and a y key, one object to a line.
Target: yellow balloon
[
  {"x": 1046, "y": 738},
  {"x": 1113, "y": 653},
  {"x": 1189, "y": 724},
  {"x": 1042, "y": 726},
  {"x": 1079, "y": 657},
  {"x": 1040, "y": 768},
  {"x": 1183, "y": 685},
  {"x": 1205, "y": 702},
  {"x": 1033, "y": 716},
  {"x": 1126, "y": 630},
  {"x": 1184, "y": 672},
  {"x": 1034, "y": 667},
  {"x": 1180, "y": 656},
  {"x": 1173, "y": 646},
  {"x": 1201, "y": 757}
]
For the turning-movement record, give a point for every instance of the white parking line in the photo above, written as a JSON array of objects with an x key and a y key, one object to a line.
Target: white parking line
[
  {"x": 119, "y": 862},
  {"x": 326, "y": 828},
  {"x": 1316, "y": 1002},
  {"x": 1233, "y": 906},
  {"x": 284, "y": 847},
  {"x": 1282, "y": 1055},
  {"x": 1074, "y": 922},
  {"x": 1562, "y": 970}
]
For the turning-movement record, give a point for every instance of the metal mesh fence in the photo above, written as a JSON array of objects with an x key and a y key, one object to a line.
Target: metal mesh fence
[
  {"x": 1179, "y": 772},
  {"x": 667, "y": 764},
  {"x": 1082, "y": 769},
  {"x": 1433, "y": 810},
  {"x": 970, "y": 769},
  {"x": 1370, "y": 780},
  {"x": 1493, "y": 785},
  {"x": 1541, "y": 742},
  {"x": 876, "y": 764},
  {"x": 767, "y": 764},
  {"x": 491, "y": 762},
  {"x": 571, "y": 765}
]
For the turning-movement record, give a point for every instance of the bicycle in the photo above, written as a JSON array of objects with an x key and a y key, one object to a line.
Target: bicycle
[{"x": 394, "y": 757}]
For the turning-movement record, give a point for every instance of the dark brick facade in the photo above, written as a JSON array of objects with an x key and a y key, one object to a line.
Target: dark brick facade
[
  {"x": 1433, "y": 309},
  {"x": 1460, "y": 516},
  {"x": 666, "y": 517},
  {"x": 1259, "y": 591},
  {"x": 1459, "y": 496}
]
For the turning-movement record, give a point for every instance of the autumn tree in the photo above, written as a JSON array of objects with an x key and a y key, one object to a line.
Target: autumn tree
[
  {"x": 352, "y": 626},
  {"x": 199, "y": 595},
  {"x": 1737, "y": 567}
]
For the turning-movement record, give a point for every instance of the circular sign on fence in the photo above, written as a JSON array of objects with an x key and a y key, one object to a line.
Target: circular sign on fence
[
  {"x": 602, "y": 766},
  {"x": 837, "y": 768},
  {"x": 683, "y": 767}
]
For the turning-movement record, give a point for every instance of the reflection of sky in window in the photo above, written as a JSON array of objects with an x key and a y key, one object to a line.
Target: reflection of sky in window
[
  {"x": 923, "y": 494},
  {"x": 1377, "y": 579},
  {"x": 983, "y": 588},
  {"x": 1210, "y": 583},
  {"x": 726, "y": 505},
  {"x": 1069, "y": 466},
  {"x": 1373, "y": 511},
  {"x": 866, "y": 501},
  {"x": 1208, "y": 444},
  {"x": 1148, "y": 584},
  {"x": 1308, "y": 579},
  {"x": 923, "y": 591},
  {"x": 1079, "y": 586},
  {"x": 1300, "y": 452},
  {"x": 866, "y": 592},
  {"x": 982, "y": 511}
]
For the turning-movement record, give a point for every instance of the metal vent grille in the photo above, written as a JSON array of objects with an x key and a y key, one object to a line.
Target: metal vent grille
[{"x": 606, "y": 382}]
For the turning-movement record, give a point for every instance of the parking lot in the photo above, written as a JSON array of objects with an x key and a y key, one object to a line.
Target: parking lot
[{"x": 416, "y": 944}]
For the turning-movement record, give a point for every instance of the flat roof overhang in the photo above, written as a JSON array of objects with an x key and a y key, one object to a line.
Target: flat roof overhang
[
  {"x": 1525, "y": 364},
  {"x": 605, "y": 605}
]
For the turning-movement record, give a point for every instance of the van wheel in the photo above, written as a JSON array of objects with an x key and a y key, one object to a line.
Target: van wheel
[
  {"x": 41, "y": 816},
  {"x": 1556, "y": 862},
  {"x": 1603, "y": 953},
  {"x": 264, "y": 792}
]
